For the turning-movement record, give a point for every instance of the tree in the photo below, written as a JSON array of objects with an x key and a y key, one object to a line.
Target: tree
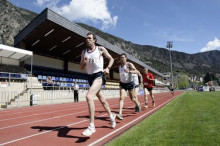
[
  {"x": 209, "y": 76},
  {"x": 183, "y": 81}
]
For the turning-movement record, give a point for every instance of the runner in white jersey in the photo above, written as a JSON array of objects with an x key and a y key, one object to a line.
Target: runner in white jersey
[
  {"x": 126, "y": 69},
  {"x": 137, "y": 84},
  {"x": 92, "y": 59}
]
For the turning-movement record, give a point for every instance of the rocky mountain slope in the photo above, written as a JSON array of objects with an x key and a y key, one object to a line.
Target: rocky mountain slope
[
  {"x": 14, "y": 19},
  {"x": 194, "y": 64}
]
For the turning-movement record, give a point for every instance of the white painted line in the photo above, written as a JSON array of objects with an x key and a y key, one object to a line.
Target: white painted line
[
  {"x": 55, "y": 109},
  {"x": 12, "y": 141},
  {"x": 47, "y": 131},
  {"x": 128, "y": 124},
  {"x": 38, "y": 109},
  {"x": 44, "y": 119},
  {"x": 40, "y": 114},
  {"x": 41, "y": 133},
  {"x": 53, "y": 117}
]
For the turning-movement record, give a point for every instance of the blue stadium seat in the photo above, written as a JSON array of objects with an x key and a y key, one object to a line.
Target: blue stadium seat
[
  {"x": 23, "y": 76},
  {"x": 18, "y": 76},
  {"x": 53, "y": 78},
  {"x": 44, "y": 77},
  {"x": 39, "y": 77},
  {"x": 57, "y": 79},
  {"x": 81, "y": 86}
]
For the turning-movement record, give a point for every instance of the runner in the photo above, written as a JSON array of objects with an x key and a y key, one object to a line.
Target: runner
[
  {"x": 92, "y": 59},
  {"x": 171, "y": 88},
  {"x": 126, "y": 69},
  {"x": 148, "y": 86},
  {"x": 137, "y": 85}
]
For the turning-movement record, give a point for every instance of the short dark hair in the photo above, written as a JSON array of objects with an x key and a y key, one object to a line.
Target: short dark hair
[
  {"x": 94, "y": 37},
  {"x": 124, "y": 55}
]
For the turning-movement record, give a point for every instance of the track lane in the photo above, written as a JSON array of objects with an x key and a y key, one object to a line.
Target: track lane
[{"x": 70, "y": 127}]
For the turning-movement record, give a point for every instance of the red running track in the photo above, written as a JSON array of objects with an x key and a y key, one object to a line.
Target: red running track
[{"x": 62, "y": 124}]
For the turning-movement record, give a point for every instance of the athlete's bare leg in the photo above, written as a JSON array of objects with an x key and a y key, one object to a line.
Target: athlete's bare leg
[
  {"x": 152, "y": 97},
  {"x": 146, "y": 98},
  {"x": 136, "y": 91},
  {"x": 121, "y": 100},
  {"x": 133, "y": 97},
  {"x": 107, "y": 108},
  {"x": 93, "y": 90},
  {"x": 104, "y": 102}
]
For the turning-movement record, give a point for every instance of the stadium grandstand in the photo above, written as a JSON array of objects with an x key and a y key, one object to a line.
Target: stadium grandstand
[{"x": 55, "y": 45}]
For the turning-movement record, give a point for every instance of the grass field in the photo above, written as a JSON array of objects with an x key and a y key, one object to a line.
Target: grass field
[{"x": 191, "y": 119}]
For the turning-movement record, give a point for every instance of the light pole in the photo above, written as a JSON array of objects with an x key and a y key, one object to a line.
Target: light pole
[{"x": 170, "y": 45}]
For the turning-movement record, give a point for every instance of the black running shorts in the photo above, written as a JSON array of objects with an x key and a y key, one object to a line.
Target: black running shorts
[
  {"x": 127, "y": 86},
  {"x": 94, "y": 76}
]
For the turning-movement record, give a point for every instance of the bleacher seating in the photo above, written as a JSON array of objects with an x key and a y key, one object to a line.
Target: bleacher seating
[
  {"x": 12, "y": 76},
  {"x": 68, "y": 79}
]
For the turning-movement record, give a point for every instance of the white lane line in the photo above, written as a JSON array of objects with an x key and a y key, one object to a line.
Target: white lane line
[
  {"x": 39, "y": 114},
  {"x": 54, "y": 117},
  {"x": 33, "y": 110},
  {"x": 12, "y": 141},
  {"x": 44, "y": 119},
  {"x": 66, "y": 109},
  {"x": 43, "y": 107},
  {"x": 41, "y": 133},
  {"x": 128, "y": 123}
]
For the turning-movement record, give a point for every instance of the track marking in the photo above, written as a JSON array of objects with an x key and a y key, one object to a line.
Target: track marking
[
  {"x": 75, "y": 124},
  {"x": 55, "y": 117},
  {"x": 129, "y": 123}
]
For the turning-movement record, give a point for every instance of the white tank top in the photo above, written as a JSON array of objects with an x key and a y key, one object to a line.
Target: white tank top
[
  {"x": 94, "y": 61},
  {"x": 135, "y": 79},
  {"x": 124, "y": 76}
]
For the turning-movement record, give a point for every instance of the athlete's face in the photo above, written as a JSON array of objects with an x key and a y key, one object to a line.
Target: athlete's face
[
  {"x": 90, "y": 40},
  {"x": 123, "y": 59}
]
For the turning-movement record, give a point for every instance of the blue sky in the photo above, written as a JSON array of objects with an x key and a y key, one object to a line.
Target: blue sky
[{"x": 192, "y": 25}]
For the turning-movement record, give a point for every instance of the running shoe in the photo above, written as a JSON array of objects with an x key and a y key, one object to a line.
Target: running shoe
[
  {"x": 113, "y": 123},
  {"x": 89, "y": 131},
  {"x": 146, "y": 106},
  {"x": 119, "y": 116}
]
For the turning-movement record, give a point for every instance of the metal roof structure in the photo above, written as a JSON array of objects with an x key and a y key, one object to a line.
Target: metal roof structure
[
  {"x": 52, "y": 35},
  {"x": 14, "y": 53}
]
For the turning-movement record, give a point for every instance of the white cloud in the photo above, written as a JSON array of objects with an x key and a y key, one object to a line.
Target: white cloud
[
  {"x": 48, "y": 3},
  {"x": 211, "y": 45},
  {"x": 83, "y": 10}
]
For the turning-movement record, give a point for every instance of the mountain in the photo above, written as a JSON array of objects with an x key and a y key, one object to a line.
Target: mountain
[
  {"x": 14, "y": 19},
  {"x": 159, "y": 58}
]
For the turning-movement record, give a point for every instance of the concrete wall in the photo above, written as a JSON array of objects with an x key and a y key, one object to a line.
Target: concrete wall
[
  {"x": 46, "y": 61},
  {"x": 4, "y": 60}
]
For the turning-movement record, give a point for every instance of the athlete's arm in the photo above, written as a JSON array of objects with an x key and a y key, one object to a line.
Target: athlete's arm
[
  {"x": 107, "y": 55},
  {"x": 132, "y": 68},
  {"x": 83, "y": 61},
  {"x": 141, "y": 78}
]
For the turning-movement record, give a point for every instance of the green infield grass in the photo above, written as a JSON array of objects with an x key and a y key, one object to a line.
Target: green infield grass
[{"x": 192, "y": 119}]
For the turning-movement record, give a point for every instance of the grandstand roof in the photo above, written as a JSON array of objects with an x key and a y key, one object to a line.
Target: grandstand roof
[
  {"x": 52, "y": 35},
  {"x": 14, "y": 53}
]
